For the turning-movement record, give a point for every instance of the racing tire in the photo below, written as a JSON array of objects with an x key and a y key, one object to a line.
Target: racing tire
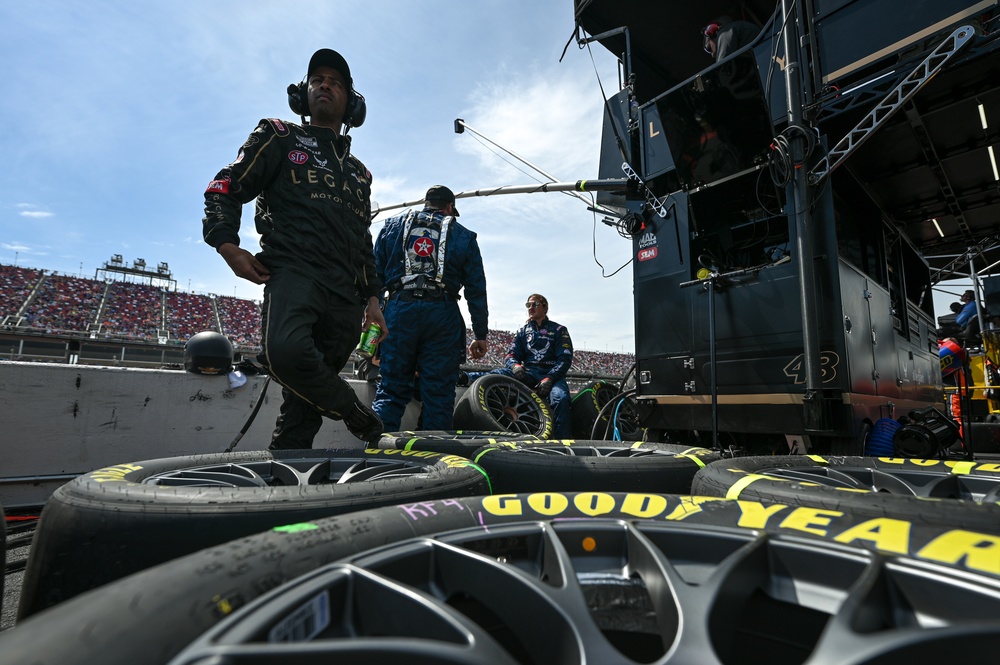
[
  {"x": 459, "y": 442},
  {"x": 721, "y": 569},
  {"x": 591, "y": 466},
  {"x": 498, "y": 402},
  {"x": 959, "y": 493},
  {"x": 115, "y": 521},
  {"x": 587, "y": 405}
]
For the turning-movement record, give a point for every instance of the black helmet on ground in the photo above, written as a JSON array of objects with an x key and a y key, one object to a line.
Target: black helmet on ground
[{"x": 208, "y": 352}]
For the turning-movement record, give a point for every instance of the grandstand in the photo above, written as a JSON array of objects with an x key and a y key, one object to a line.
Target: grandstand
[{"x": 60, "y": 318}]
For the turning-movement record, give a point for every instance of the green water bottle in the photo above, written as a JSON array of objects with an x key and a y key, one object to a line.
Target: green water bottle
[{"x": 369, "y": 340}]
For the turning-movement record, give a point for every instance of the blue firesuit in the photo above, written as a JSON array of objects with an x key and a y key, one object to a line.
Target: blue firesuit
[
  {"x": 545, "y": 351},
  {"x": 424, "y": 259},
  {"x": 968, "y": 311}
]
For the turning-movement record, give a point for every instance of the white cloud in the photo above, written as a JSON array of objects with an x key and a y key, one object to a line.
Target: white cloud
[
  {"x": 15, "y": 247},
  {"x": 35, "y": 214}
]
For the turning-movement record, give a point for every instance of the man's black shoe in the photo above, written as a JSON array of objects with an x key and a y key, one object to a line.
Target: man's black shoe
[{"x": 364, "y": 423}]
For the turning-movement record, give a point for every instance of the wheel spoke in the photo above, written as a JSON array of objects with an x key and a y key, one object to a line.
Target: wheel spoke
[
  {"x": 224, "y": 475},
  {"x": 819, "y": 475},
  {"x": 377, "y": 470},
  {"x": 287, "y": 473},
  {"x": 894, "y": 611}
]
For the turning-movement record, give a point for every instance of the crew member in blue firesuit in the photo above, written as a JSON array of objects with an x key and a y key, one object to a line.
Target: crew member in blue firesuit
[
  {"x": 539, "y": 357},
  {"x": 424, "y": 258}
]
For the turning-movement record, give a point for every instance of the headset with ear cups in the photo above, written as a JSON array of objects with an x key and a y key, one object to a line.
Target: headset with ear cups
[
  {"x": 354, "y": 114},
  {"x": 708, "y": 33}
]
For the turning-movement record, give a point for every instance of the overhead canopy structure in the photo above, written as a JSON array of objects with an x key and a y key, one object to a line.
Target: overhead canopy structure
[{"x": 931, "y": 167}]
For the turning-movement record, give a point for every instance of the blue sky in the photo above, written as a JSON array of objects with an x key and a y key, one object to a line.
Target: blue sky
[{"x": 118, "y": 114}]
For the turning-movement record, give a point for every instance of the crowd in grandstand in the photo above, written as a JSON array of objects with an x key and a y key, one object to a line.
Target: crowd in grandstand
[
  {"x": 132, "y": 311},
  {"x": 240, "y": 320},
  {"x": 39, "y": 301}
]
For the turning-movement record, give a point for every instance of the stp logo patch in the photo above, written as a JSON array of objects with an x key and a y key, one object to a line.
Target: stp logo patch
[
  {"x": 298, "y": 157},
  {"x": 647, "y": 254}
]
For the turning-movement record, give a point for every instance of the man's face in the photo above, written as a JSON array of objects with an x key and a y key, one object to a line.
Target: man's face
[
  {"x": 536, "y": 310},
  {"x": 327, "y": 93}
]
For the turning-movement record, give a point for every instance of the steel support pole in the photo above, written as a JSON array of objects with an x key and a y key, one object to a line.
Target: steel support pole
[{"x": 801, "y": 210}]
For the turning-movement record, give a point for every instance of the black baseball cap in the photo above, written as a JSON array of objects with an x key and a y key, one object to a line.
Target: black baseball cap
[
  {"x": 330, "y": 58},
  {"x": 441, "y": 194}
]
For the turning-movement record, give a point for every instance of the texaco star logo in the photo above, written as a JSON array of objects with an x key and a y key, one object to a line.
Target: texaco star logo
[{"x": 423, "y": 247}]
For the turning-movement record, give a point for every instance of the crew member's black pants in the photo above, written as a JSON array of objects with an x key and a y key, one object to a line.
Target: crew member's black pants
[{"x": 307, "y": 335}]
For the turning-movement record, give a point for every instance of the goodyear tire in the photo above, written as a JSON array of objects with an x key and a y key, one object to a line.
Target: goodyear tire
[
  {"x": 957, "y": 493},
  {"x": 459, "y": 442},
  {"x": 498, "y": 402},
  {"x": 152, "y": 616},
  {"x": 115, "y": 521},
  {"x": 579, "y": 466},
  {"x": 586, "y": 406}
]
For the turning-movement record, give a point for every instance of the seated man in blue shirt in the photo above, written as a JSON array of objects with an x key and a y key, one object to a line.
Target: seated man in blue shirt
[
  {"x": 539, "y": 357},
  {"x": 968, "y": 318}
]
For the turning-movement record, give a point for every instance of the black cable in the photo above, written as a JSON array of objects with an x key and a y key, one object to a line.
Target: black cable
[{"x": 253, "y": 414}]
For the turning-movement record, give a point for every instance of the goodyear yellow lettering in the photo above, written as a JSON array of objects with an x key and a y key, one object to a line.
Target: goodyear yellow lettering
[
  {"x": 689, "y": 505},
  {"x": 644, "y": 505},
  {"x": 503, "y": 504},
  {"x": 892, "y": 460},
  {"x": 990, "y": 468},
  {"x": 810, "y": 520},
  {"x": 886, "y": 534},
  {"x": 548, "y": 503},
  {"x": 979, "y": 551},
  {"x": 412, "y": 453},
  {"x": 114, "y": 473},
  {"x": 755, "y": 515},
  {"x": 925, "y": 462},
  {"x": 594, "y": 503}
]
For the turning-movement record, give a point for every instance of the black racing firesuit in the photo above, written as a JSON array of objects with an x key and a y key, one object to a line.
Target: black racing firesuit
[{"x": 313, "y": 215}]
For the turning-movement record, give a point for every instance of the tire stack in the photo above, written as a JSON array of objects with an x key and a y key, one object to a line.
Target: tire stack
[{"x": 674, "y": 553}]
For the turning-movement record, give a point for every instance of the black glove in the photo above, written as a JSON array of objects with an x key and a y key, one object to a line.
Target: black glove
[
  {"x": 519, "y": 372},
  {"x": 544, "y": 387}
]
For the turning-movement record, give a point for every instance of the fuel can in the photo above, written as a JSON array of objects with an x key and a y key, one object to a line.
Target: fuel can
[{"x": 369, "y": 340}]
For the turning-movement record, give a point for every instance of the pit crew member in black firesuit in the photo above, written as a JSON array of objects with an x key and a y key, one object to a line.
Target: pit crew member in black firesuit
[
  {"x": 539, "y": 357},
  {"x": 316, "y": 263},
  {"x": 727, "y": 36},
  {"x": 425, "y": 258}
]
